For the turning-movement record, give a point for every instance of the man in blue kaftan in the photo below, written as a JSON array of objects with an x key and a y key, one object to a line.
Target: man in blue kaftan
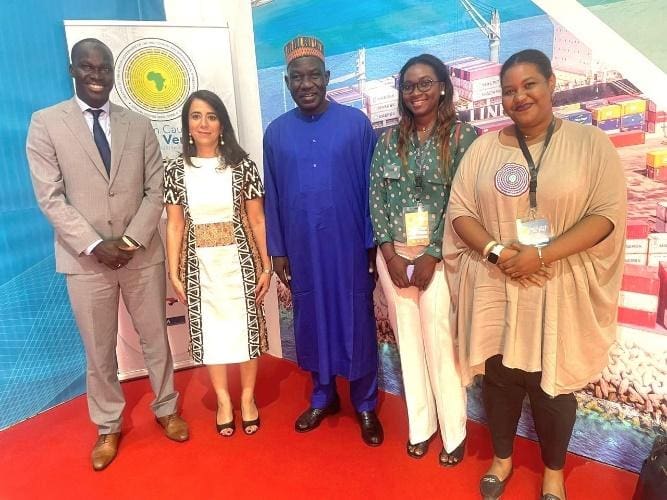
[{"x": 316, "y": 171}]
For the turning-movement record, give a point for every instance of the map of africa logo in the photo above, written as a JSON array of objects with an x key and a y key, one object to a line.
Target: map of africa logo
[{"x": 154, "y": 77}]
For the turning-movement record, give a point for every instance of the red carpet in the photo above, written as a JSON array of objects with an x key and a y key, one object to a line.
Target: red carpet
[{"x": 48, "y": 455}]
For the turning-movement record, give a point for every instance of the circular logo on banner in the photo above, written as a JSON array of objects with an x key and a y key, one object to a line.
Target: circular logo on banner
[
  {"x": 512, "y": 179},
  {"x": 154, "y": 77}
]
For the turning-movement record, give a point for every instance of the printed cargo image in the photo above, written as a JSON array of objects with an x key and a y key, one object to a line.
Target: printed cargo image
[{"x": 623, "y": 408}]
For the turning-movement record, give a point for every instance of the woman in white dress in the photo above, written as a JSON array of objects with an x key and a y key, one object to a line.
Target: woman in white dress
[{"x": 216, "y": 252}]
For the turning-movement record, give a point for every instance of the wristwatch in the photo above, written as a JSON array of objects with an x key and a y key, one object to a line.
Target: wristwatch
[{"x": 494, "y": 253}]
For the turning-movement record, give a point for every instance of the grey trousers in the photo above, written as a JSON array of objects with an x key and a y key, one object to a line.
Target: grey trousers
[{"x": 94, "y": 299}]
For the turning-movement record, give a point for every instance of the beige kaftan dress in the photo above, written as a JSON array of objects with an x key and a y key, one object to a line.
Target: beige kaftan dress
[{"x": 566, "y": 328}]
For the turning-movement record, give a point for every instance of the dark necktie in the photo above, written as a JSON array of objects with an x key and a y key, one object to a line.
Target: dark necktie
[{"x": 101, "y": 139}]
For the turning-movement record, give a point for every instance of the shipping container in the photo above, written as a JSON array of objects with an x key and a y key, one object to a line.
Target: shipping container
[
  {"x": 632, "y": 120},
  {"x": 649, "y": 127},
  {"x": 637, "y": 318},
  {"x": 661, "y": 210},
  {"x": 582, "y": 116},
  {"x": 628, "y": 138},
  {"x": 656, "y": 116},
  {"x": 607, "y": 112},
  {"x": 629, "y": 104},
  {"x": 657, "y": 243},
  {"x": 636, "y": 228},
  {"x": 594, "y": 103},
  {"x": 656, "y": 158},
  {"x": 657, "y": 174},
  {"x": 610, "y": 126},
  {"x": 636, "y": 258}
]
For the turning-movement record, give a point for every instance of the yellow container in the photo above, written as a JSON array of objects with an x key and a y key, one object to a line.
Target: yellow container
[
  {"x": 608, "y": 112},
  {"x": 657, "y": 158},
  {"x": 632, "y": 107}
]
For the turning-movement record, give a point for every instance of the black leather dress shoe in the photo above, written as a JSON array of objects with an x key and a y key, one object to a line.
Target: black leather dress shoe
[
  {"x": 371, "y": 428},
  {"x": 312, "y": 417}
]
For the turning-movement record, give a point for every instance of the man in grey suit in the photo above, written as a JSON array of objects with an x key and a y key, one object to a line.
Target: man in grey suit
[{"x": 98, "y": 177}]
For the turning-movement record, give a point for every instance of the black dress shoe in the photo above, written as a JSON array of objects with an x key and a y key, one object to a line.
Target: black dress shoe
[
  {"x": 312, "y": 417},
  {"x": 371, "y": 428}
]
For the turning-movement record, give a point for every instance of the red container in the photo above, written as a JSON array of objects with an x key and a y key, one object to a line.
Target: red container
[
  {"x": 649, "y": 127},
  {"x": 640, "y": 279},
  {"x": 628, "y": 138},
  {"x": 590, "y": 105},
  {"x": 637, "y": 318},
  {"x": 656, "y": 116},
  {"x": 662, "y": 304},
  {"x": 636, "y": 229},
  {"x": 657, "y": 174},
  {"x": 620, "y": 98},
  {"x": 661, "y": 211}
]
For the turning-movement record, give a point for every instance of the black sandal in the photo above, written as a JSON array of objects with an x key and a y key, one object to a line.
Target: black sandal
[
  {"x": 418, "y": 450},
  {"x": 249, "y": 423},
  {"x": 457, "y": 455},
  {"x": 229, "y": 425}
]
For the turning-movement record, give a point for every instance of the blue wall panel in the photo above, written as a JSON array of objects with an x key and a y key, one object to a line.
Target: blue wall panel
[{"x": 41, "y": 356}]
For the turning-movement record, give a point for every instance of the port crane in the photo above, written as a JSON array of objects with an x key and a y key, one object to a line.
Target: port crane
[{"x": 491, "y": 29}]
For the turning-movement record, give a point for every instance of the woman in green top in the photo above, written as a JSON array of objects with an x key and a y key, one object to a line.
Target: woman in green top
[{"x": 413, "y": 166}]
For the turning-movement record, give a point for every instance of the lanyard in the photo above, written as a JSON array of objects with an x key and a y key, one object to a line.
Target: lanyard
[
  {"x": 419, "y": 161},
  {"x": 532, "y": 168}
]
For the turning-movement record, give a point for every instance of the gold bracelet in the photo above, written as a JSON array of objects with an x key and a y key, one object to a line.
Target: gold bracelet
[
  {"x": 267, "y": 271},
  {"x": 539, "y": 254},
  {"x": 488, "y": 248}
]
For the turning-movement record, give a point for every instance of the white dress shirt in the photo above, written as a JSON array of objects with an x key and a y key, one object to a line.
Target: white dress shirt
[{"x": 105, "y": 123}]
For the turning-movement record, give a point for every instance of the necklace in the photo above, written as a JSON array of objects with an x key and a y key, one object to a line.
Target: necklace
[
  {"x": 533, "y": 137},
  {"x": 426, "y": 128}
]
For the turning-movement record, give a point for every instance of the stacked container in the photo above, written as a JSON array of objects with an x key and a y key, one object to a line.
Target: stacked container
[
  {"x": 656, "y": 164},
  {"x": 636, "y": 241},
  {"x": 476, "y": 87},
  {"x": 492, "y": 125},
  {"x": 582, "y": 116},
  {"x": 657, "y": 242},
  {"x": 381, "y": 102},
  {"x": 638, "y": 299},
  {"x": 607, "y": 117}
]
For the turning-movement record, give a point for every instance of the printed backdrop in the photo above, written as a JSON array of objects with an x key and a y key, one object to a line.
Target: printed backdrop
[
  {"x": 156, "y": 69},
  {"x": 610, "y": 67}
]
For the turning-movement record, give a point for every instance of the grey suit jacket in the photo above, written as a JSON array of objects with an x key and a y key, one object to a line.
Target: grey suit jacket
[{"x": 80, "y": 200}]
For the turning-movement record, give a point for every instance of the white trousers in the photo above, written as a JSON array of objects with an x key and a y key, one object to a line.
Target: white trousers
[{"x": 431, "y": 376}]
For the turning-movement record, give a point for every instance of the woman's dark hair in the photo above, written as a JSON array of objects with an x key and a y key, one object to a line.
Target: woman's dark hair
[
  {"x": 532, "y": 56},
  {"x": 445, "y": 118},
  {"x": 231, "y": 151}
]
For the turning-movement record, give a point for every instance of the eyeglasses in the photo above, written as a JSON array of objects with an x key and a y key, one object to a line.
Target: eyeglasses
[{"x": 423, "y": 85}]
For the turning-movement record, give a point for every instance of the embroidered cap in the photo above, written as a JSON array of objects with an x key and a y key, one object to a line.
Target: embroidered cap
[{"x": 302, "y": 46}]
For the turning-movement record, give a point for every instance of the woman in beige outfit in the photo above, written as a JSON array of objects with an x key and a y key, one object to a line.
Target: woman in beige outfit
[{"x": 535, "y": 267}]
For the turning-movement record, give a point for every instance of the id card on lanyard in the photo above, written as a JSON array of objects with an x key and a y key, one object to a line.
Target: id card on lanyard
[
  {"x": 416, "y": 218},
  {"x": 417, "y": 228},
  {"x": 534, "y": 229}
]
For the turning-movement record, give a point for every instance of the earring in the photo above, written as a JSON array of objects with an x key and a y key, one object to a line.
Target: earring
[
  {"x": 191, "y": 141},
  {"x": 222, "y": 142},
  {"x": 442, "y": 92}
]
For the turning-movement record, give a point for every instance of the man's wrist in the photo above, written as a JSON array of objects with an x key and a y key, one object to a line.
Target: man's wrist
[
  {"x": 91, "y": 248},
  {"x": 130, "y": 242}
]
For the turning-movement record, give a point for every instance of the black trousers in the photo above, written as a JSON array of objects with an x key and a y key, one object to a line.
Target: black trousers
[{"x": 503, "y": 391}]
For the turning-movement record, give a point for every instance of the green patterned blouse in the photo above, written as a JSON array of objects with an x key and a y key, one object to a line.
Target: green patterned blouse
[{"x": 392, "y": 186}]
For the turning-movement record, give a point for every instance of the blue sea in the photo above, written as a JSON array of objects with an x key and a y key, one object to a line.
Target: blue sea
[{"x": 345, "y": 25}]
